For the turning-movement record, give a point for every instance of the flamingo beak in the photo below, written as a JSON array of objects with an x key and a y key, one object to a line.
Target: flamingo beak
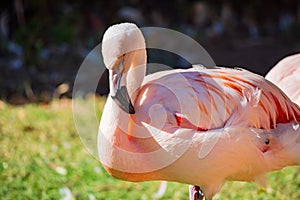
[
  {"x": 121, "y": 96},
  {"x": 123, "y": 100}
]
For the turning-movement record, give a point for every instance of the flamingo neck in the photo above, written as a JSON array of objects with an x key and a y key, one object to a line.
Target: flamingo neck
[{"x": 135, "y": 70}]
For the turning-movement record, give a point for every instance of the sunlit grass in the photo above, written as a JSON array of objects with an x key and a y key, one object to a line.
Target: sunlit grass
[{"x": 41, "y": 155}]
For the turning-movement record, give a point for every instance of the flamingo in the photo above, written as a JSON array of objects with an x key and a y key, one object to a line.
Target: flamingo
[
  {"x": 286, "y": 75},
  {"x": 198, "y": 126}
]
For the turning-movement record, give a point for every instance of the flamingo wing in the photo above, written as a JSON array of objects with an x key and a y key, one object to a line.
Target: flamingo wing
[{"x": 205, "y": 99}]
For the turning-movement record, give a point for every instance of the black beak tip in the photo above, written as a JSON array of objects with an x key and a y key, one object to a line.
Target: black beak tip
[{"x": 131, "y": 109}]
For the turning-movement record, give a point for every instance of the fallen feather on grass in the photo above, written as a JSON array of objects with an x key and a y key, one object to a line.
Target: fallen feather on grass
[
  {"x": 61, "y": 170},
  {"x": 91, "y": 197},
  {"x": 58, "y": 169},
  {"x": 161, "y": 191},
  {"x": 66, "y": 193}
]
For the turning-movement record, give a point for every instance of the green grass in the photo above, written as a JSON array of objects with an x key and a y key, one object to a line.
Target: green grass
[{"x": 37, "y": 140}]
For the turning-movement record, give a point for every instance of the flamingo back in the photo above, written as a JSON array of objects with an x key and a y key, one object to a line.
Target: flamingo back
[
  {"x": 215, "y": 98},
  {"x": 286, "y": 75}
]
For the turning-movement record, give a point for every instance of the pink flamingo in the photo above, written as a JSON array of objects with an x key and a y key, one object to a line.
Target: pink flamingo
[
  {"x": 196, "y": 126},
  {"x": 286, "y": 75}
]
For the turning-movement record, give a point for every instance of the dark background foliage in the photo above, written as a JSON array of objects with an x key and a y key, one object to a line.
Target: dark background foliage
[{"x": 42, "y": 43}]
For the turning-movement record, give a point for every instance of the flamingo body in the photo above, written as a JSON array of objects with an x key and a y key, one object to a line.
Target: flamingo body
[
  {"x": 286, "y": 75},
  {"x": 197, "y": 126}
]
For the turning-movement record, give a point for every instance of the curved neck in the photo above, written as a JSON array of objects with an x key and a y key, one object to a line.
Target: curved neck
[{"x": 134, "y": 71}]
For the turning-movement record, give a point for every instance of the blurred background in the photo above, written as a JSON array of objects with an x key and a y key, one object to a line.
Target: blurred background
[
  {"x": 42, "y": 43},
  {"x": 42, "y": 46}
]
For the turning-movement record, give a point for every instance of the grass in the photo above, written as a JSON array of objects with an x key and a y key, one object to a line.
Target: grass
[{"x": 42, "y": 155}]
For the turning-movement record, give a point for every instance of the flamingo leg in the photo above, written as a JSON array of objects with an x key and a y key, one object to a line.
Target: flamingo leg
[{"x": 195, "y": 193}]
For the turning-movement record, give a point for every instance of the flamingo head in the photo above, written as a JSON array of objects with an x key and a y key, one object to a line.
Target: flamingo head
[{"x": 119, "y": 46}]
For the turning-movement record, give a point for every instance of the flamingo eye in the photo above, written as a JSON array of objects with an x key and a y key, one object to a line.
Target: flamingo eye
[{"x": 267, "y": 141}]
